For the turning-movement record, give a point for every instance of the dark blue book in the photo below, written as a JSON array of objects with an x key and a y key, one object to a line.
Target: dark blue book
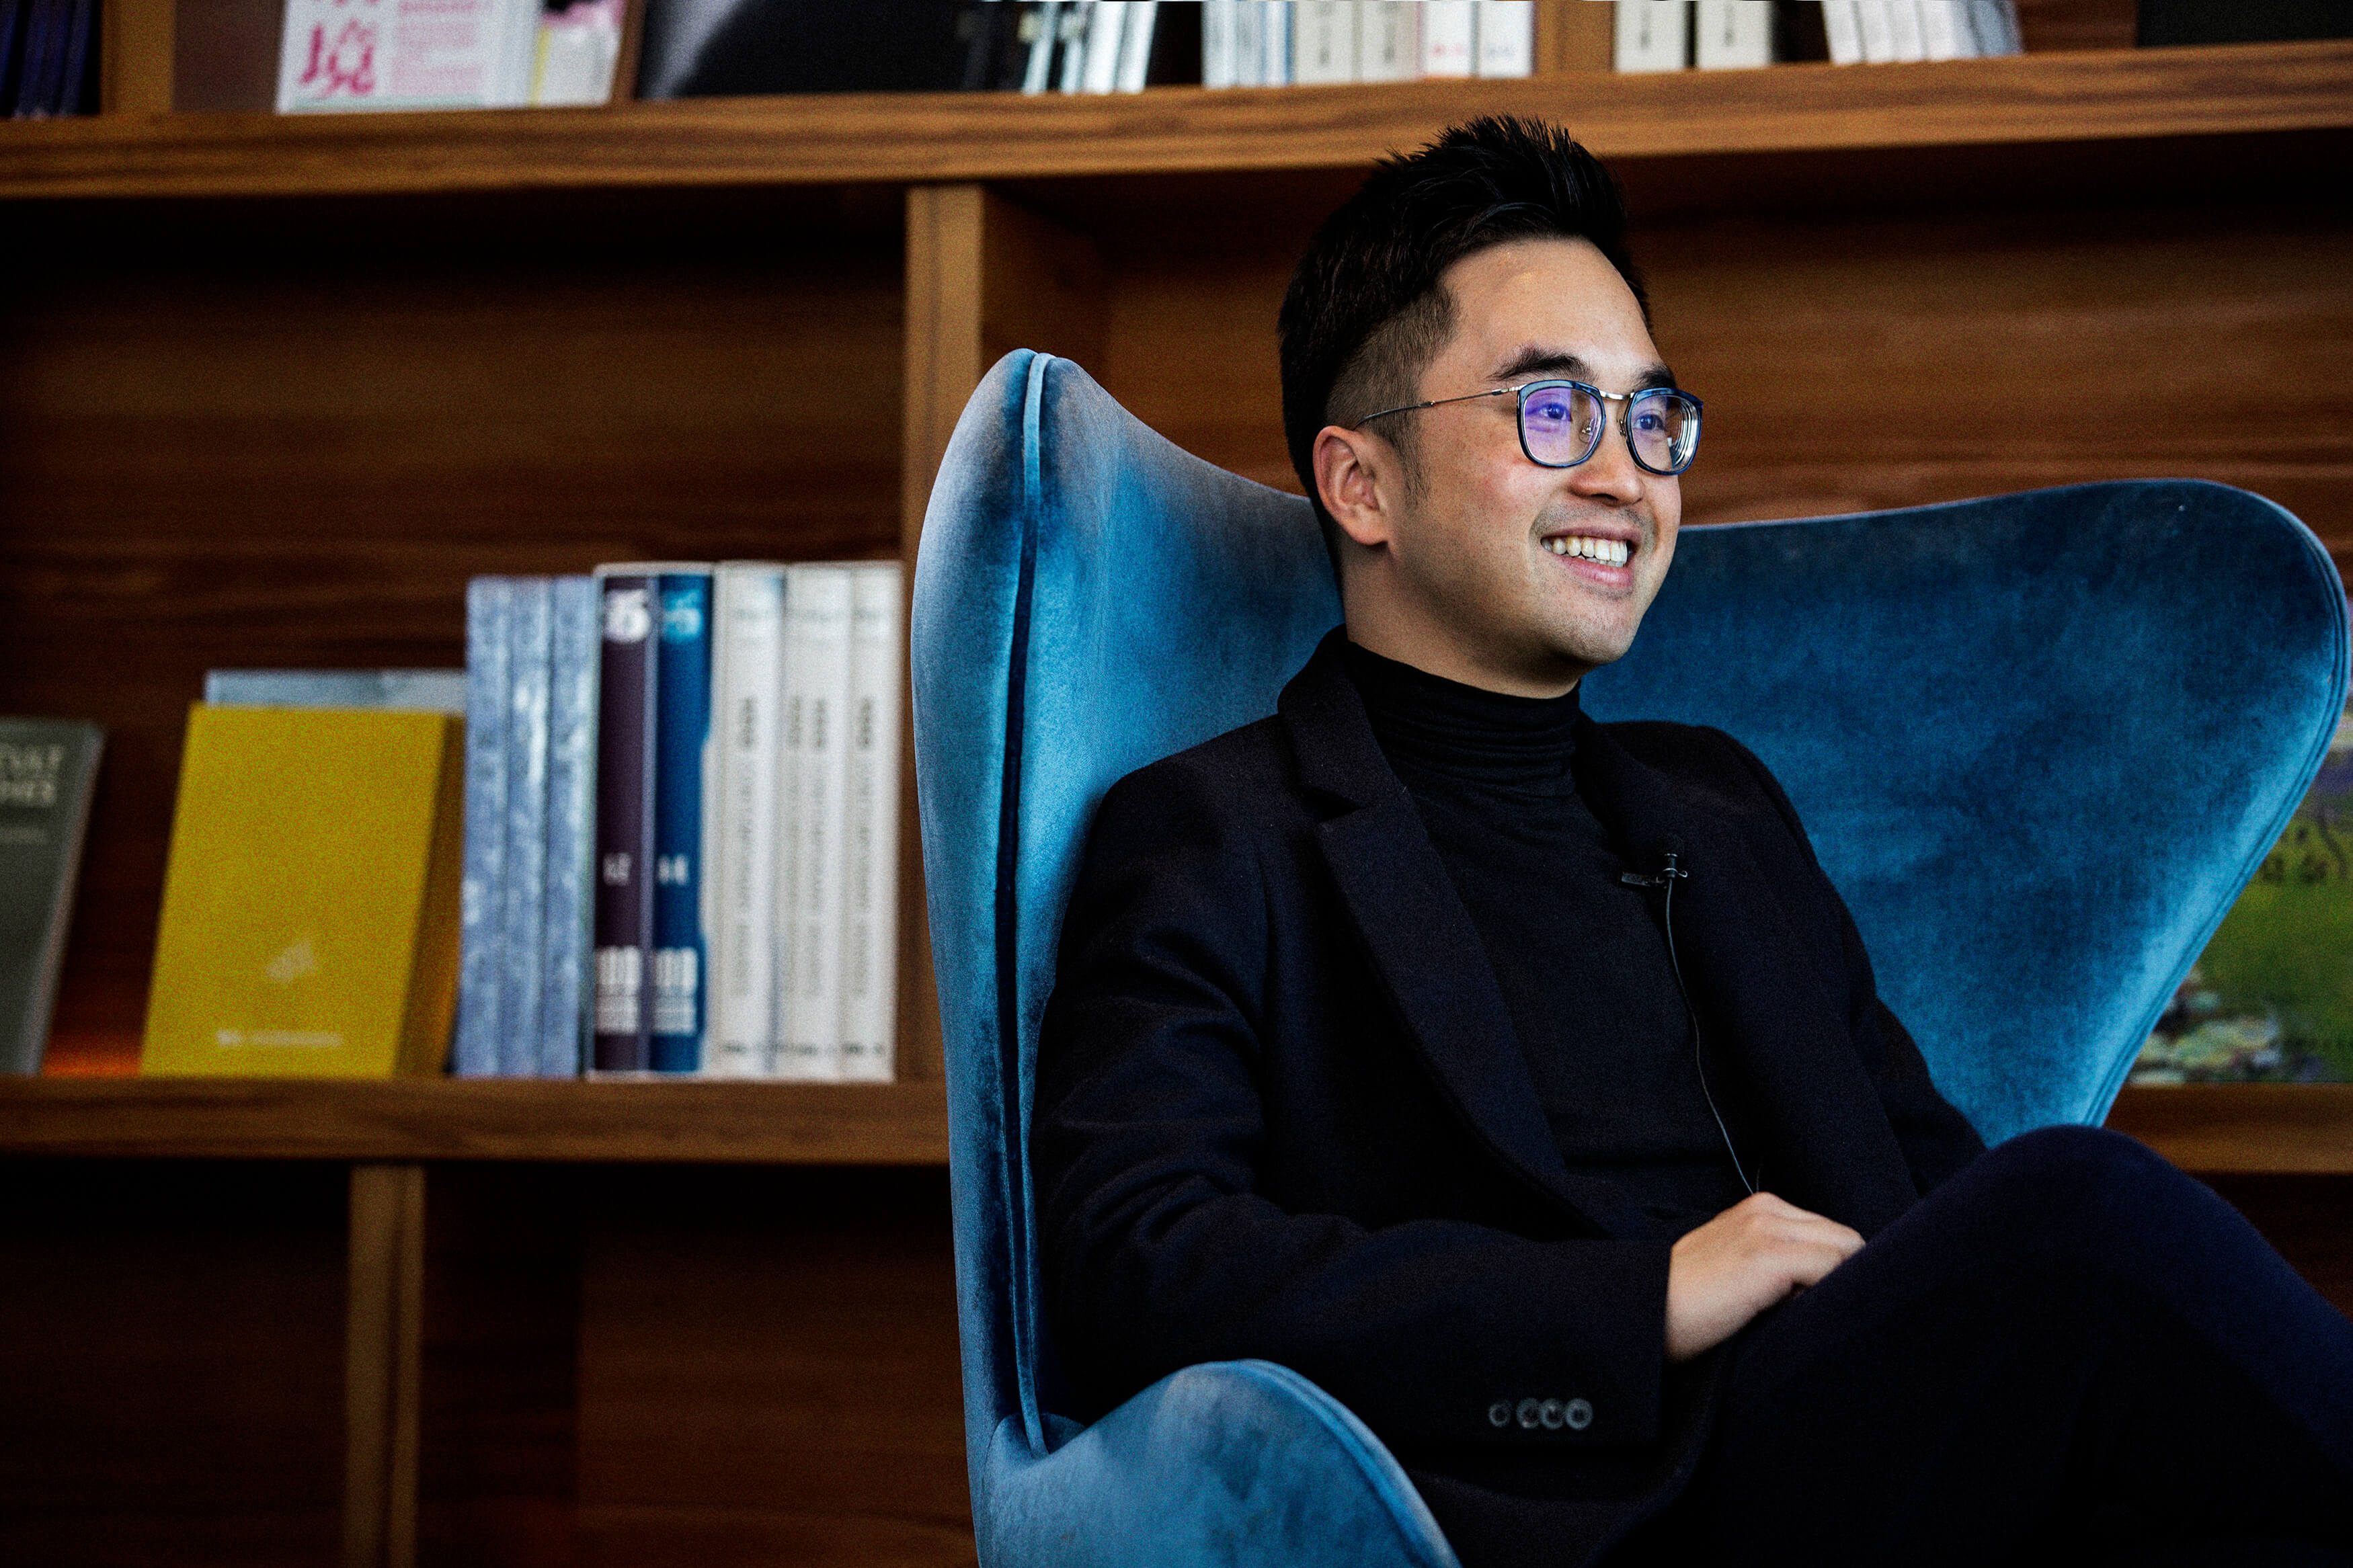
[
  {"x": 629, "y": 662},
  {"x": 682, "y": 735}
]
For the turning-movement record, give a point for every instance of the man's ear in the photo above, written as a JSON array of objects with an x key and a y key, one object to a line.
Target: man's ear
[{"x": 1356, "y": 474}]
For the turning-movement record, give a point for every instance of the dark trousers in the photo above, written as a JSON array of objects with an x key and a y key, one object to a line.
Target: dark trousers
[{"x": 2069, "y": 1353}]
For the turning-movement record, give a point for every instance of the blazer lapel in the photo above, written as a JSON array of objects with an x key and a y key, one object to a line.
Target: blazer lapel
[
  {"x": 1421, "y": 943},
  {"x": 1765, "y": 1004}
]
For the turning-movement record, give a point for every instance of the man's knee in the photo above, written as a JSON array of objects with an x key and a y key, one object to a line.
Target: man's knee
[{"x": 2082, "y": 1192}]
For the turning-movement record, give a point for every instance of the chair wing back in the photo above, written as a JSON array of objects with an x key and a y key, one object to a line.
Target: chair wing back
[
  {"x": 1088, "y": 598},
  {"x": 2039, "y": 741}
]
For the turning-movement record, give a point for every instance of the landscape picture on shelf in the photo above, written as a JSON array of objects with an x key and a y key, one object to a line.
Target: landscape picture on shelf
[{"x": 2270, "y": 999}]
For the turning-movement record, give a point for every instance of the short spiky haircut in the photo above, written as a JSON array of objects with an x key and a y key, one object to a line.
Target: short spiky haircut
[{"x": 1365, "y": 313}]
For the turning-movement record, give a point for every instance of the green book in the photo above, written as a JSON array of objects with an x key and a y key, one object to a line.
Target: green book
[
  {"x": 47, "y": 768},
  {"x": 2270, "y": 999}
]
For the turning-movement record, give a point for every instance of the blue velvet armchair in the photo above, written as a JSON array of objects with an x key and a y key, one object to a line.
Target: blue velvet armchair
[{"x": 2040, "y": 740}]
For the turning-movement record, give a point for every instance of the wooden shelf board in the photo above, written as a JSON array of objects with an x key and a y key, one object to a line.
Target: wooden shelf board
[
  {"x": 852, "y": 139},
  {"x": 2233, "y": 1129},
  {"x": 513, "y": 1120}
]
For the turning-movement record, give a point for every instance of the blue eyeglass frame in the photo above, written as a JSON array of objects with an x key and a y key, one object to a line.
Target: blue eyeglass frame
[{"x": 1525, "y": 389}]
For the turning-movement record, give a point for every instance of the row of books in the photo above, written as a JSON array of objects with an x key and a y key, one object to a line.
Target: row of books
[
  {"x": 347, "y": 55},
  {"x": 1731, "y": 35},
  {"x": 49, "y": 57},
  {"x": 1890, "y": 32},
  {"x": 682, "y": 822},
  {"x": 1274, "y": 43}
]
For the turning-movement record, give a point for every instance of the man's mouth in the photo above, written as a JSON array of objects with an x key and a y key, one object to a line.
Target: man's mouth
[{"x": 1591, "y": 547}]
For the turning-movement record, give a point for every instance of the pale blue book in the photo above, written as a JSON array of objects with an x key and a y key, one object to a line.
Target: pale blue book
[
  {"x": 405, "y": 690},
  {"x": 522, "y": 896},
  {"x": 481, "y": 965},
  {"x": 566, "y": 927}
]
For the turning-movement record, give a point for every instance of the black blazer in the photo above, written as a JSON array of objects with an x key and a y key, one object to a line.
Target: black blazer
[{"x": 1280, "y": 1110}]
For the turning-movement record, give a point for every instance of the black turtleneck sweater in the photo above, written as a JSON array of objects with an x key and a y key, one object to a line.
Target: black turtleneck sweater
[{"x": 1580, "y": 956}]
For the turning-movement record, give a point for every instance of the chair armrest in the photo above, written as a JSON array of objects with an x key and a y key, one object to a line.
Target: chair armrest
[{"x": 1227, "y": 1463}]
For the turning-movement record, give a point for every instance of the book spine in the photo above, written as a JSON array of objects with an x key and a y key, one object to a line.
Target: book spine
[
  {"x": 1220, "y": 22},
  {"x": 740, "y": 861},
  {"x": 523, "y": 891},
  {"x": 1842, "y": 28},
  {"x": 1653, "y": 35},
  {"x": 816, "y": 677},
  {"x": 682, "y": 740},
  {"x": 1274, "y": 38},
  {"x": 1732, "y": 35},
  {"x": 870, "y": 874},
  {"x": 1995, "y": 25},
  {"x": 47, "y": 771},
  {"x": 1877, "y": 25},
  {"x": 1905, "y": 31},
  {"x": 1507, "y": 37},
  {"x": 1325, "y": 49},
  {"x": 1042, "y": 28},
  {"x": 571, "y": 825},
  {"x": 1249, "y": 43},
  {"x": 627, "y": 657},
  {"x": 1106, "y": 30},
  {"x": 1136, "y": 45},
  {"x": 1070, "y": 63},
  {"x": 1388, "y": 40},
  {"x": 481, "y": 965},
  {"x": 1944, "y": 30},
  {"x": 1450, "y": 37}
]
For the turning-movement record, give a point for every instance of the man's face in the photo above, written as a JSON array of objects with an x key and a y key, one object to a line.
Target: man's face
[{"x": 1467, "y": 575}]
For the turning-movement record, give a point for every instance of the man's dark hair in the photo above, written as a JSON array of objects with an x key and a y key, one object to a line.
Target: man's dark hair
[{"x": 1365, "y": 313}]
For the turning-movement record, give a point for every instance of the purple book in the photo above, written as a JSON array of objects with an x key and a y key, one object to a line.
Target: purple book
[{"x": 628, "y": 662}]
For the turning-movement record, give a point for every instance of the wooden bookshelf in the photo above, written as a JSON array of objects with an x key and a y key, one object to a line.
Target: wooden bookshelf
[
  {"x": 271, "y": 389},
  {"x": 530, "y": 1120},
  {"x": 2100, "y": 97}
]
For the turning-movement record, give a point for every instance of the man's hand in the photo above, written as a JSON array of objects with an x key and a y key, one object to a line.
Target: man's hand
[{"x": 1755, "y": 1253}]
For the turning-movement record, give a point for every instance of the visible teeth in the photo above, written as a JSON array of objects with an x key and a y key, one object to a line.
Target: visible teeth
[{"x": 1607, "y": 552}]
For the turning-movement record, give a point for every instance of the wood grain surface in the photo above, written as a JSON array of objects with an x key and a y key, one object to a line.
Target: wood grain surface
[
  {"x": 439, "y": 1119},
  {"x": 2243, "y": 1129},
  {"x": 914, "y": 137}
]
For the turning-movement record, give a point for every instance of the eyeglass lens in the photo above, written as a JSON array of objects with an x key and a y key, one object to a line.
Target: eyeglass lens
[{"x": 1561, "y": 426}]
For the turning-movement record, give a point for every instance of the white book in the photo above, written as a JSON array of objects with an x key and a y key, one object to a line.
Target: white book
[
  {"x": 1732, "y": 35},
  {"x": 1903, "y": 27},
  {"x": 406, "y": 54},
  {"x": 1274, "y": 41},
  {"x": 869, "y": 974},
  {"x": 1077, "y": 22},
  {"x": 1041, "y": 29},
  {"x": 1388, "y": 40},
  {"x": 1995, "y": 24},
  {"x": 1653, "y": 35},
  {"x": 1106, "y": 22},
  {"x": 1843, "y": 28},
  {"x": 1507, "y": 37},
  {"x": 523, "y": 895},
  {"x": 577, "y": 50},
  {"x": 1136, "y": 45},
  {"x": 1323, "y": 48},
  {"x": 1878, "y": 32},
  {"x": 1944, "y": 29},
  {"x": 1220, "y": 23},
  {"x": 1450, "y": 37},
  {"x": 817, "y": 689},
  {"x": 739, "y": 830},
  {"x": 1249, "y": 43}
]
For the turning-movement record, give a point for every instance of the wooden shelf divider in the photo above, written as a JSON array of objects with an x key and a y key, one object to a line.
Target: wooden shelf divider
[
  {"x": 519, "y": 1120},
  {"x": 919, "y": 138},
  {"x": 2243, "y": 1129}
]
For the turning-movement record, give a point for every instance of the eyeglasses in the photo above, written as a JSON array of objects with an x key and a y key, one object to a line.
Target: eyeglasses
[{"x": 1561, "y": 423}]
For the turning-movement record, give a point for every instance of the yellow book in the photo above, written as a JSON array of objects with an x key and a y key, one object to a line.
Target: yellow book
[{"x": 310, "y": 905}]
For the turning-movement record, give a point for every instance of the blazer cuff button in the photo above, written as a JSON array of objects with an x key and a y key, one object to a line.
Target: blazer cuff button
[
  {"x": 1578, "y": 1414},
  {"x": 1499, "y": 1412},
  {"x": 1549, "y": 1413},
  {"x": 1530, "y": 1412}
]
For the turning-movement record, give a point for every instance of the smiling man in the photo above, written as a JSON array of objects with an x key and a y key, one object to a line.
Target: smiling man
[{"x": 1522, "y": 1080}]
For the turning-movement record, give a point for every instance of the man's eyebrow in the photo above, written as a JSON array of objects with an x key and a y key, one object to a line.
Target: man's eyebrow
[{"x": 1535, "y": 363}]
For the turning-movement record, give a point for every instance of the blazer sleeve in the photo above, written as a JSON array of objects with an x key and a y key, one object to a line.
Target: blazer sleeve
[
  {"x": 1160, "y": 1251},
  {"x": 1937, "y": 1139}
]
